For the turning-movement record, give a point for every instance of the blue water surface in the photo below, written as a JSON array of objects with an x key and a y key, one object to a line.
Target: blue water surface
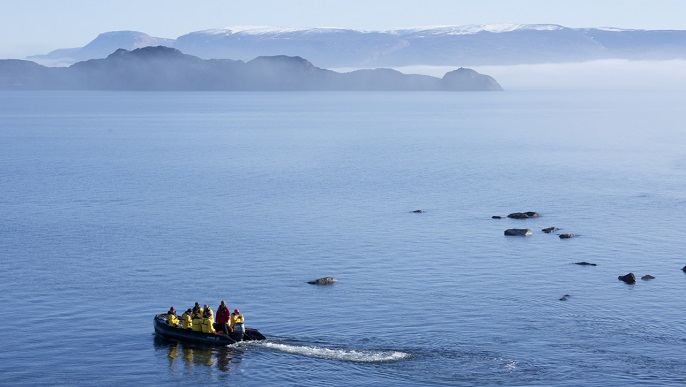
[{"x": 115, "y": 206}]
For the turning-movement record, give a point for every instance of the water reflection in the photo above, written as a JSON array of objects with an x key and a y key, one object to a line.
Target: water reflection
[{"x": 184, "y": 357}]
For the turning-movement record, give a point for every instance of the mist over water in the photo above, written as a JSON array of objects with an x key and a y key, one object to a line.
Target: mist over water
[{"x": 610, "y": 74}]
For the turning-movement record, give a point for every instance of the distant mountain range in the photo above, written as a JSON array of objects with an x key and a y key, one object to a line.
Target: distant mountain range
[
  {"x": 500, "y": 44},
  {"x": 164, "y": 68}
]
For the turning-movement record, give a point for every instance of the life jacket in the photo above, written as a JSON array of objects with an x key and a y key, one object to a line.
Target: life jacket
[
  {"x": 208, "y": 325},
  {"x": 236, "y": 319},
  {"x": 196, "y": 324},
  {"x": 173, "y": 320},
  {"x": 186, "y": 321}
]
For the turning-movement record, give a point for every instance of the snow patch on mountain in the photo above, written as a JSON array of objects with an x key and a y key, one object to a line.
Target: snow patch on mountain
[
  {"x": 611, "y": 29},
  {"x": 434, "y": 30},
  {"x": 476, "y": 28},
  {"x": 267, "y": 30}
]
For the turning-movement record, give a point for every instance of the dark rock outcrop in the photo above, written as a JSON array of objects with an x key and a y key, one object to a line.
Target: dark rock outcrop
[
  {"x": 323, "y": 281},
  {"x": 567, "y": 236},
  {"x": 496, "y": 217},
  {"x": 470, "y": 80},
  {"x": 647, "y": 277},
  {"x": 418, "y": 211},
  {"x": 585, "y": 263},
  {"x": 683, "y": 269},
  {"x": 565, "y": 297},
  {"x": 524, "y": 215},
  {"x": 548, "y": 230},
  {"x": 518, "y": 232},
  {"x": 629, "y": 278}
]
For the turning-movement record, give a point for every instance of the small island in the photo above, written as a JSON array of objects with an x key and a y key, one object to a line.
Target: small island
[{"x": 162, "y": 68}]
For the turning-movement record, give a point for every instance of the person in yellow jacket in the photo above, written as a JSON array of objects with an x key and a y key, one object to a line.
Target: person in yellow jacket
[
  {"x": 236, "y": 325},
  {"x": 186, "y": 320},
  {"x": 197, "y": 318},
  {"x": 197, "y": 309},
  {"x": 208, "y": 320},
  {"x": 171, "y": 318}
]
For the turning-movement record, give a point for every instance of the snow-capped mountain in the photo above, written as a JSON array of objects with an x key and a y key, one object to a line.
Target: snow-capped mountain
[{"x": 471, "y": 45}]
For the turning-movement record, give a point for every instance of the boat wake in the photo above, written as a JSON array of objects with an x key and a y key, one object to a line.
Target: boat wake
[{"x": 360, "y": 356}]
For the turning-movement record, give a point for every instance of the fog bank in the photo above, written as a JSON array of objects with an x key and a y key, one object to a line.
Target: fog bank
[{"x": 611, "y": 74}]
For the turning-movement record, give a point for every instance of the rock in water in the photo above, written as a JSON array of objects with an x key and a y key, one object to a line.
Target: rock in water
[
  {"x": 684, "y": 269},
  {"x": 548, "y": 230},
  {"x": 524, "y": 215},
  {"x": 323, "y": 281},
  {"x": 629, "y": 278},
  {"x": 647, "y": 277},
  {"x": 518, "y": 232},
  {"x": 418, "y": 211},
  {"x": 496, "y": 217},
  {"x": 567, "y": 236},
  {"x": 565, "y": 297},
  {"x": 585, "y": 263}
]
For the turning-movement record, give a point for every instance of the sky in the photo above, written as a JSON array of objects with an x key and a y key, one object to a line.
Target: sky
[{"x": 30, "y": 27}]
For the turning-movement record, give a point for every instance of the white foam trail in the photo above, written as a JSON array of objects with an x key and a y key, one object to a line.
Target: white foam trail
[
  {"x": 511, "y": 365},
  {"x": 339, "y": 354}
]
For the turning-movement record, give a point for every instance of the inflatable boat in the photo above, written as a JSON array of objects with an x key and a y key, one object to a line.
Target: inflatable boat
[{"x": 163, "y": 329}]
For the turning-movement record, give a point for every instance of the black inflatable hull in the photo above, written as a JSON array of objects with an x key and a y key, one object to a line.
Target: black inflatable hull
[{"x": 163, "y": 329}]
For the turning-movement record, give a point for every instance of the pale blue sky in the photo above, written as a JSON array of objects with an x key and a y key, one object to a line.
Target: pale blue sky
[{"x": 38, "y": 26}]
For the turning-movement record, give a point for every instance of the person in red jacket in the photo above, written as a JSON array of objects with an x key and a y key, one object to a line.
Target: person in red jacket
[{"x": 223, "y": 316}]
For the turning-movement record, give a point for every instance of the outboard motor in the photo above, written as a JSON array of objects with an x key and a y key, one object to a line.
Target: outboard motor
[{"x": 238, "y": 332}]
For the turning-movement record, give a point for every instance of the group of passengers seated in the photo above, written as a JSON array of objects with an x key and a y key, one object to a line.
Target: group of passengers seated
[{"x": 202, "y": 320}]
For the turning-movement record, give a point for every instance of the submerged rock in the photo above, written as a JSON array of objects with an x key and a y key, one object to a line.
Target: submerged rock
[
  {"x": 629, "y": 278},
  {"x": 548, "y": 230},
  {"x": 684, "y": 269},
  {"x": 524, "y": 215},
  {"x": 323, "y": 281},
  {"x": 565, "y": 297},
  {"x": 567, "y": 236},
  {"x": 647, "y": 277},
  {"x": 518, "y": 232},
  {"x": 496, "y": 217},
  {"x": 585, "y": 263},
  {"x": 418, "y": 211}
]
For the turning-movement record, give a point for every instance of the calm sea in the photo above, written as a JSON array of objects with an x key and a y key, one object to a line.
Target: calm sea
[{"x": 115, "y": 206}]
